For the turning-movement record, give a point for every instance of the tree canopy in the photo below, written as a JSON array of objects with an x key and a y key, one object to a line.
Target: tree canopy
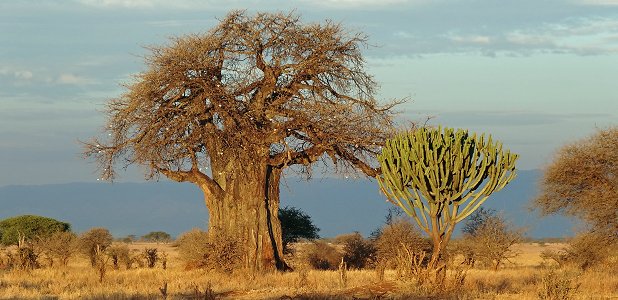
[
  {"x": 582, "y": 181},
  {"x": 250, "y": 84},
  {"x": 296, "y": 225},
  {"x": 29, "y": 227},
  {"x": 157, "y": 236}
]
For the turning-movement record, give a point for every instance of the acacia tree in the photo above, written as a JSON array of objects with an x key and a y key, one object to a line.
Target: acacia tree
[
  {"x": 582, "y": 181},
  {"x": 439, "y": 177},
  {"x": 230, "y": 109}
]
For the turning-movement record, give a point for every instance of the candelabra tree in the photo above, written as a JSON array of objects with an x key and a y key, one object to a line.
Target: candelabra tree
[{"x": 440, "y": 176}]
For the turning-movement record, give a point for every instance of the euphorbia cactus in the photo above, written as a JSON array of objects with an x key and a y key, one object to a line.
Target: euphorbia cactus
[{"x": 440, "y": 176}]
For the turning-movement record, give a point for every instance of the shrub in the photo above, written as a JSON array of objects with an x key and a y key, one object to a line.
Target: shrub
[
  {"x": 157, "y": 236},
  {"x": 586, "y": 251},
  {"x": 323, "y": 256},
  {"x": 59, "y": 246},
  {"x": 488, "y": 238},
  {"x": 557, "y": 286},
  {"x": 396, "y": 239},
  {"x": 192, "y": 244},
  {"x": 119, "y": 255},
  {"x": 358, "y": 252},
  {"x": 151, "y": 257},
  {"x": 93, "y": 239},
  {"x": 200, "y": 250},
  {"x": 296, "y": 225},
  {"x": 22, "y": 258},
  {"x": 29, "y": 227}
]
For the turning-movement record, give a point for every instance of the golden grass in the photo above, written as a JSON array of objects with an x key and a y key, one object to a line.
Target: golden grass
[{"x": 519, "y": 280}]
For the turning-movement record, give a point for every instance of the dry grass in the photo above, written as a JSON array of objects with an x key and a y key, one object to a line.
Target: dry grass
[{"x": 523, "y": 279}]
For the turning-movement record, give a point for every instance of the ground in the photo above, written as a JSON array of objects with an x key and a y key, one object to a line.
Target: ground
[{"x": 526, "y": 277}]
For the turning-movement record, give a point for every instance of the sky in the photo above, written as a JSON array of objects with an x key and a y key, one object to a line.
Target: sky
[{"x": 535, "y": 74}]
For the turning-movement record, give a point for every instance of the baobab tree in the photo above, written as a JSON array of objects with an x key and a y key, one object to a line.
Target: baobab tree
[{"x": 229, "y": 110}]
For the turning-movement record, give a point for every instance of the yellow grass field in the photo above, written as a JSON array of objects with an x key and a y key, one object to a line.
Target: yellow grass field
[{"x": 523, "y": 278}]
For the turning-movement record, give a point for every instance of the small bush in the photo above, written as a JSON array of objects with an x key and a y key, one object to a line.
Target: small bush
[
  {"x": 488, "y": 238},
  {"x": 557, "y": 286},
  {"x": 323, "y": 256},
  {"x": 93, "y": 239},
  {"x": 59, "y": 246},
  {"x": 24, "y": 258},
  {"x": 585, "y": 251},
  {"x": 119, "y": 254},
  {"x": 394, "y": 238},
  {"x": 151, "y": 257},
  {"x": 218, "y": 253},
  {"x": 358, "y": 252}
]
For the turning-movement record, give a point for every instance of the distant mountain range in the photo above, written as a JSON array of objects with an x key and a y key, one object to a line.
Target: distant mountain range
[{"x": 336, "y": 205}]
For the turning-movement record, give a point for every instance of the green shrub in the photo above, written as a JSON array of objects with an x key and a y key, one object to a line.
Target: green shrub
[
  {"x": 157, "y": 236},
  {"x": 296, "y": 225},
  {"x": 29, "y": 227}
]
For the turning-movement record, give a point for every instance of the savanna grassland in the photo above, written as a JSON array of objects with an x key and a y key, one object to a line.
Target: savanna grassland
[{"x": 527, "y": 276}]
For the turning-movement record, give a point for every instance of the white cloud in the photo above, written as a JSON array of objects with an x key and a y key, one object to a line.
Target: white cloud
[
  {"x": 68, "y": 78},
  {"x": 362, "y": 3},
  {"x": 528, "y": 39},
  {"x": 166, "y": 4},
  {"x": 471, "y": 39},
  {"x": 23, "y": 74},
  {"x": 580, "y": 36},
  {"x": 19, "y": 74},
  {"x": 403, "y": 34},
  {"x": 120, "y": 3},
  {"x": 598, "y": 2}
]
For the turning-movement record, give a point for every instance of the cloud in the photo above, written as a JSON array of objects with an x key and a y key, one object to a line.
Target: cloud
[
  {"x": 23, "y": 74},
  {"x": 121, "y": 3},
  {"x": 363, "y": 2},
  {"x": 176, "y": 4},
  {"x": 584, "y": 36},
  {"x": 598, "y": 2},
  {"x": 507, "y": 119},
  {"x": 471, "y": 39},
  {"x": 68, "y": 78},
  {"x": 19, "y": 74}
]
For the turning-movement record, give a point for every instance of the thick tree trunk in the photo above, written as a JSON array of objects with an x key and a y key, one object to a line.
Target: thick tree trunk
[{"x": 248, "y": 212}]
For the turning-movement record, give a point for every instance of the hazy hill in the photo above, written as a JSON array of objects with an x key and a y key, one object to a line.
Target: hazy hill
[{"x": 336, "y": 205}]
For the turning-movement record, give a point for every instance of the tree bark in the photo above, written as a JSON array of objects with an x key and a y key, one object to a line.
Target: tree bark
[{"x": 247, "y": 211}]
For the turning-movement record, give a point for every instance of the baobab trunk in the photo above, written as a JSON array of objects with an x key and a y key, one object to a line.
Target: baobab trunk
[{"x": 247, "y": 212}]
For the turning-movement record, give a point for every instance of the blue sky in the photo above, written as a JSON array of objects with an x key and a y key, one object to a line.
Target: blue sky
[{"x": 535, "y": 74}]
